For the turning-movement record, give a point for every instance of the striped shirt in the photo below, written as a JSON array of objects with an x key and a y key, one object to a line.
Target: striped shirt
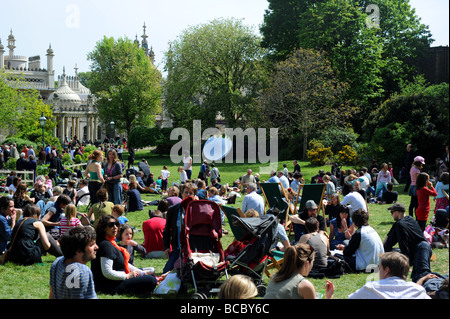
[
  {"x": 74, "y": 222},
  {"x": 72, "y": 281}
]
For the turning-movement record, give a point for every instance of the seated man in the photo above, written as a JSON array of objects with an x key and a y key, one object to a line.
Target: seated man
[
  {"x": 298, "y": 221},
  {"x": 390, "y": 196},
  {"x": 153, "y": 234},
  {"x": 215, "y": 183},
  {"x": 201, "y": 191},
  {"x": 142, "y": 188},
  {"x": 393, "y": 272},
  {"x": 318, "y": 241},
  {"x": 364, "y": 246},
  {"x": 144, "y": 167},
  {"x": 246, "y": 179},
  {"x": 78, "y": 247},
  {"x": 253, "y": 200},
  {"x": 353, "y": 198},
  {"x": 283, "y": 179},
  {"x": 273, "y": 177},
  {"x": 407, "y": 234}
]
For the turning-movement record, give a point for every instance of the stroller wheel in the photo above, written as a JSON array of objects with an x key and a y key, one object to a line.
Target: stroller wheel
[
  {"x": 199, "y": 295},
  {"x": 261, "y": 290}
]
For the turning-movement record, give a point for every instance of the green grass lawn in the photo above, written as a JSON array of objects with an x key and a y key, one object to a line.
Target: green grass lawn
[{"x": 31, "y": 282}]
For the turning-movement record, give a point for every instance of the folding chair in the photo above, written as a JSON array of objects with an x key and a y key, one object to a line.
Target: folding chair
[
  {"x": 275, "y": 197},
  {"x": 315, "y": 192},
  {"x": 276, "y": 259},
  {"x": 230, "y": 211}
]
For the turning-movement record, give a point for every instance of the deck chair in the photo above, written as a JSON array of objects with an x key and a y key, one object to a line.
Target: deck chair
[
  {"x": 315, "y": 192},
  {"x": 230, "y": 211},
  {"x": 275, "y": 197},
  {"x": 276, "y": 259}
]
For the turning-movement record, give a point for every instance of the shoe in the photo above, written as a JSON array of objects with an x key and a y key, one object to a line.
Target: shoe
[{"x": 149, "y": 270}]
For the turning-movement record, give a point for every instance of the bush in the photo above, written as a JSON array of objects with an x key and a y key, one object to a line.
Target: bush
[
  {"x": 20, "y": 142},
  {"x": 78, "y": 159},
  {"x": 67, "y": 159},
  {"x": 348, "y": 155},
  {"x": 318, "y": 154},
  {"x": 11, "y": 164}
]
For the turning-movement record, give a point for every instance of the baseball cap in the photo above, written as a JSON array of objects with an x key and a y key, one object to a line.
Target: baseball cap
[
  {"x": 311, "y": 204},
  {"x": 419, "y": 159},
  {"x": 399, "y": 207}
]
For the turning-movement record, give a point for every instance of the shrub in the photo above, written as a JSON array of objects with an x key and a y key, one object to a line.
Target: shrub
[
  {"x": 11, "y": 164},
  {"x": 20, "y": 142},
  {"x": 67, "y": 159},
  {"x": 348, "y": 155},
  {"x": 78, "y": 159},
  {"x": 318, "y": 154}
]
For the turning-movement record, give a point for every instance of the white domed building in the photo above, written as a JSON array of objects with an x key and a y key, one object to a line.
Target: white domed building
[
  {"x": 73, "y": 103},
  {"x": 73, "y": 107}
]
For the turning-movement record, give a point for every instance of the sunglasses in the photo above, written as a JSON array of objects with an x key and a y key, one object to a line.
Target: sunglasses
[{"x": 112, "y": 224}]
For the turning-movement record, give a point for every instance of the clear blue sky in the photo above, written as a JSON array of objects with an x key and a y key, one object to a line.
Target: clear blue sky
[{"x": 74, "y": 26}]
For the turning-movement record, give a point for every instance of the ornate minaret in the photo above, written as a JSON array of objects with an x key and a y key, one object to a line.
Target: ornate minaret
[
  {"x": 50, "y": 70},
  {"x": 11, "y": 44},
  {"x": 2, "y": 54},
  {"x": 144, "y": 41}
]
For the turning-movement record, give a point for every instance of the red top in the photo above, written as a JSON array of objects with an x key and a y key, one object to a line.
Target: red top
[
  {"x": 423, "y": 197},
  {"x": 153, "y": 234}
]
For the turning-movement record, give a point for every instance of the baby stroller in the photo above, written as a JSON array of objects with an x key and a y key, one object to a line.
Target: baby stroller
[
  {"x": 252, "y": 259},
  {"x": 63, "y": 177},
  {"x": 201, "y": 255}
]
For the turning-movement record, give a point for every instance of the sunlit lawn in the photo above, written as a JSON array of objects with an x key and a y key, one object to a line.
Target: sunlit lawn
[{"x": 31, "y": 282}]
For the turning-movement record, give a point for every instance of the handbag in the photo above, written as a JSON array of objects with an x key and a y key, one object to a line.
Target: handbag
[{"x": 4, "y": 258}]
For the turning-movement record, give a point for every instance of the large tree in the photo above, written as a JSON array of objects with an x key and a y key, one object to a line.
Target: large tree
[
  {"x": 126, "y": 83},
  {"x": 214, "y": 71},
  {"x": 304, "y": 95},
  {"x": 20, "y": 111},
  {"x": 419, "y": 114},
  {"x": 372, "y": 56}
]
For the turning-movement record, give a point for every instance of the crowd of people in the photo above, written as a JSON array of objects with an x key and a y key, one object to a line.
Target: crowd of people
[{"x": 45, "y": 220}]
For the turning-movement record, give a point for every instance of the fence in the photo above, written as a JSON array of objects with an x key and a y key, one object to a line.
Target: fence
[{"x": 26, "y": 176}]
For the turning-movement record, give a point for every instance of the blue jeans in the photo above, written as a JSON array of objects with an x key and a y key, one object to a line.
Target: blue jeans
[
  {"x": 171, "y": 262},
  {"x": 115, "y": 193},
  {"x": 44, "y": 206},
  {"x": 421, "y": 262}
]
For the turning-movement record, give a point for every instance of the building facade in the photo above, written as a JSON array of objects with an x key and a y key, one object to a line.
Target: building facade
[{"x": 73, "y": 104}]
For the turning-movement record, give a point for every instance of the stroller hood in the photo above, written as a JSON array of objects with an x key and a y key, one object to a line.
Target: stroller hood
[
  {"x": 263, "y": 231},
  {"x": 257, "y": 226}
]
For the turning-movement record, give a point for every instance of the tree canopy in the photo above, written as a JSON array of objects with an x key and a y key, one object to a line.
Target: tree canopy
[
  {"x": 125, "y": 82},
  {"x": 214, "y": 71},
  {"x": 372, "y": 57},
  {"x": 303, "y": 94},
  {"x": 20, "y": 112}
]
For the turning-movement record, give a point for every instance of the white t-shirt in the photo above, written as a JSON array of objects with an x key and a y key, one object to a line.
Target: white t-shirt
[
  {"x": 183, "y": 176},
  {"x": 364, "y": 182},
  {"x": 165, "y": 174},
  {"x": 356, "y": 201},
  {"x": 187, "y": 161},
  {"x": 390, "y": 288},
  {"x": 85, "y": 199}
]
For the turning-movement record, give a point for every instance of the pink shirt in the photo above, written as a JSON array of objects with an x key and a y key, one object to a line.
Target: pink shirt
[
  {"x": 74, "y": 222},
  {"x": 413, "y": 173}
]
